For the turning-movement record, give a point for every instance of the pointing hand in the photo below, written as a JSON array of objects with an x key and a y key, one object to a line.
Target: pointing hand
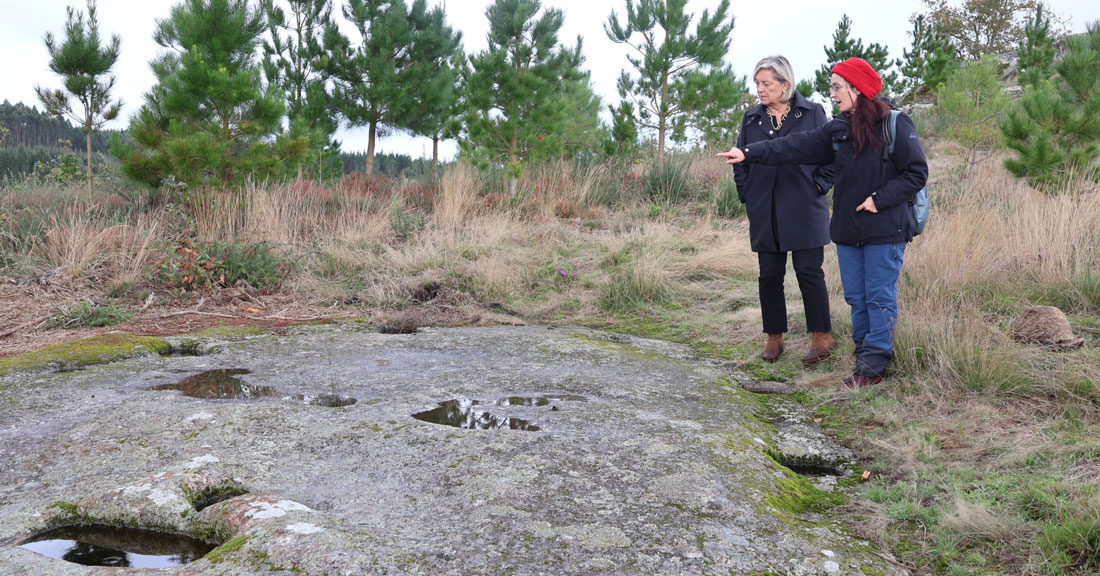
[{"x": 734, "y": 156}]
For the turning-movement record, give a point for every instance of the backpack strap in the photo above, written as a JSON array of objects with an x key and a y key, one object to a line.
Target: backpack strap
[{"x": 890, "y": 134}]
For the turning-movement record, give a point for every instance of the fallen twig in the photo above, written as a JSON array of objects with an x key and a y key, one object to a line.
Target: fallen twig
[
  {"x": 34, "y": 323},
  {"x": 250, "y": 317},
  {"x": 186, "y": 312}
]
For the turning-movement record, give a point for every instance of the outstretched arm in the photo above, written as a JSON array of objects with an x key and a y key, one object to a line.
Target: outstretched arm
[{"x": 813, "y": 147}]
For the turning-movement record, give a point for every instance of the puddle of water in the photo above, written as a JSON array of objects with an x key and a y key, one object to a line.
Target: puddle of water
[
  {"x": 122, "y": 547},
  {"x": 185, "y": 349},
  {"x": 463, "y": 414},
  {"x": 537, "y": 400},
  {"x": 326, "y": 400},
  {"x": 524, "y": 401},
  {"x": 399, "y": 329},
  {"x": 219, "y": 385}
]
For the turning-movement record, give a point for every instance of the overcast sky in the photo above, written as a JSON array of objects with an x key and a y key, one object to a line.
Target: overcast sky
[{"x": 798, "y": 29}]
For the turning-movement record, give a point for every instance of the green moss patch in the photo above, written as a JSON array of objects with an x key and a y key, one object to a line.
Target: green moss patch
[
  {"x": 85, "y": 352},
  {"x": 226, "y": 332},
  {"x": 218, "y": 554},
  {"x": 796, "y": 495}
]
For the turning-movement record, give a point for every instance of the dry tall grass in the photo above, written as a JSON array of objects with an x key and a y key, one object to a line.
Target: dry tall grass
[
  {"x": 76, "y": 242},
  {"x": 993, "y": 246},
  {"x": 134, "y": 251}
]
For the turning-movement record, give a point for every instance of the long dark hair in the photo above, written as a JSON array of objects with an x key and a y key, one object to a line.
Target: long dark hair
[{"x": 866, "y": 124}]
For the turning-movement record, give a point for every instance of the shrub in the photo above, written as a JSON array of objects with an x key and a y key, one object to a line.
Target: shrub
[
  {"x": 667, "y": 182},
  {"x": 205, "y": 267},
  {"x": 726, "y": 202},
  {"x": 89, "y": 315},
  {"x": 405, "y": 223}
]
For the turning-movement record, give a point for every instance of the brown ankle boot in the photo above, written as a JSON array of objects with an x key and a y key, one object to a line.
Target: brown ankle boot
[
  {"x": 773, "y": 348},
  {"x": 821, "y": 347}
]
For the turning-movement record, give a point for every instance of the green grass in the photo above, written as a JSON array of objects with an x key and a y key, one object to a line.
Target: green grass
[{"x": 88, "y": 315}]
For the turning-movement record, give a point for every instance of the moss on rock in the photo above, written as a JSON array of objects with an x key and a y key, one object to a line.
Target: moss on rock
[
  {"x": 99, "y": 349},
  {"x": 218, "y": 554}
]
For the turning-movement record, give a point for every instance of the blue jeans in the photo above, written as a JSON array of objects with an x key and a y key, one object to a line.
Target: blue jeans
[{"x": 869, "y": 275}]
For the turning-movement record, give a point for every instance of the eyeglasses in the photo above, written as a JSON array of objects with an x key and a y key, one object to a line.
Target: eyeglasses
[{"x": 836, "y": 88}]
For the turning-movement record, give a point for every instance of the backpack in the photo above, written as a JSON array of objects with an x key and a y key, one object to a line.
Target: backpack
[{"x": 918, "y": 206}]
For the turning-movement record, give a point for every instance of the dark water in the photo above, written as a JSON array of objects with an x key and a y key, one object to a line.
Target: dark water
[
  {"x": 219, "y": 385},
  {"x": 537, "y": 400},
  {"x": 326, "y": 400},
  {"x": 464, "y": 414},
  {"x": 122, "y": 547}
]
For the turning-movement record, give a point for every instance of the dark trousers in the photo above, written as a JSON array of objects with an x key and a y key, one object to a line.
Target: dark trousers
[{"x": 811, "y": 281}]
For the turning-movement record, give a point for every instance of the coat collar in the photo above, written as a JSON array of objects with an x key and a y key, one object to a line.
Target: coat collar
[{"x": 798, "y": 102}]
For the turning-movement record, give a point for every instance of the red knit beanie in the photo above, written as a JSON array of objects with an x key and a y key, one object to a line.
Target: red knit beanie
[{"x": 859, "y": 73}]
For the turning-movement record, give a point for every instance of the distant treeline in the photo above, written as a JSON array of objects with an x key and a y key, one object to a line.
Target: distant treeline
[
  {"x": 36, "y": 137},
  {"x": 30, "y": 137},
  {"x": 390, "y": 165},
  {"x": 29, "y": 127}
]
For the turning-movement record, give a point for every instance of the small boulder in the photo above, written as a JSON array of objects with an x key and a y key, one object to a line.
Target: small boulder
[{"x": 1045, "y": 325}]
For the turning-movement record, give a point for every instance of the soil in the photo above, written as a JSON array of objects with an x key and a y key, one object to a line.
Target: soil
[{"x": 29, "y": 309}]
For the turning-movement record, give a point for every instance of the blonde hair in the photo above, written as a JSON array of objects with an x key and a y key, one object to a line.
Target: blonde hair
[{"x": 782, "y": 70}]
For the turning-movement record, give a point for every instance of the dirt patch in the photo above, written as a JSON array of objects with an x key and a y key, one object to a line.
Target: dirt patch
[{"x": 26, "y": 308}]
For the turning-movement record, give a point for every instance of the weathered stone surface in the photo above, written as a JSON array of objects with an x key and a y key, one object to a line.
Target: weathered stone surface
[
  {"x": 801, "y": 445},
  {"x": 661, "y": 468}
]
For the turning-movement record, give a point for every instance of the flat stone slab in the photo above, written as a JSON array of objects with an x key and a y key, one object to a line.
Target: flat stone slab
[{"x": 645, "y": 461}]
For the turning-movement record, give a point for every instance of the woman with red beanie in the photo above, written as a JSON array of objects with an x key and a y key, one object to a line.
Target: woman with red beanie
[{"x": 871, "y": 191}]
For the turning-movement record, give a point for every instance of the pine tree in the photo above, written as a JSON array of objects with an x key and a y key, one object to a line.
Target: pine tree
[
  {"x": 509, "y": 84},
  {"x": 437, "y": 109},
  {"x": 930, "y": 62},
  {"x": 972, "y": 103},
  {"x": 208, "y": 120},
  {"x": 845, "y": 47},
  {"x": 295, "y": 61},
  {"x": 716, "y": 101},
  {"x": 1056, "y": 127},
  {"x": 624, "y": 129},
  {"x": 667, "y": 56},
  {"x": 379, "y": 81},
  {"x": 1036, "y": 52},
  {"x": 577, "y": 131},
  {"x": 83, "y": 61}
]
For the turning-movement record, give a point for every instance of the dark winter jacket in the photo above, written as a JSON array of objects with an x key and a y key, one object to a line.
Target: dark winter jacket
[
  {"x": 891, "y": 181},
  {"x": 786, "y": 205}
]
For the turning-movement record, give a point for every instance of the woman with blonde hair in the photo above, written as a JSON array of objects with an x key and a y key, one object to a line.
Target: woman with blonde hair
[{"x": 787, "y": 211}]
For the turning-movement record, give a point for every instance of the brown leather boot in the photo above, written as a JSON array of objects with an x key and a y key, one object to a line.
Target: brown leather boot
[
  {"x": 821, "y": 347},
  {"x": 773, "y": 348}
]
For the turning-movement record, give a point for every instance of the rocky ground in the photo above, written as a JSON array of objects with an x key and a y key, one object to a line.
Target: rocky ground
[{"x": 646, "y": 460}]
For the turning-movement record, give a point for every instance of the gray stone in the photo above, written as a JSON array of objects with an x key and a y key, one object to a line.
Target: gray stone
[{"x": 651, "y": 463}]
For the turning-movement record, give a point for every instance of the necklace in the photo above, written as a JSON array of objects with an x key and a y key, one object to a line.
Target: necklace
[{"x": 777, "y": 123}]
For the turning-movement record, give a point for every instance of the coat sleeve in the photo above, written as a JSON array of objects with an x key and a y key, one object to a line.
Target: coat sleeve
[
  {"x": 741, "y": 170},
  {"x": 910, "y": 167},
  {"x": 823, "y": 175},
  {"x": 814, "y": 147}
]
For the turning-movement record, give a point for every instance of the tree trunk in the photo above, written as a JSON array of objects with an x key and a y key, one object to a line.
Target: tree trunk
[
  {"x": 435, "y": 157},
  {"x": 88, "y": 142},
  {"x": 371, "y": 131}
]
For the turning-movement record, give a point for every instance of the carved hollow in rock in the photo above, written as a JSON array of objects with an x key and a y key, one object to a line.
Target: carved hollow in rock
[{"x": 97, "y": 545}]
